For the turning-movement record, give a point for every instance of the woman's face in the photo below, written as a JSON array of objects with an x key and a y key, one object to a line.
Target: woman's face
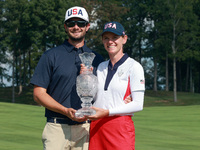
[{"x": 113, "y": 43}]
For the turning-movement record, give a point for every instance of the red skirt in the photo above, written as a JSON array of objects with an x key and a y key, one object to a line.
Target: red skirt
[{"x": 112, "y": 133}]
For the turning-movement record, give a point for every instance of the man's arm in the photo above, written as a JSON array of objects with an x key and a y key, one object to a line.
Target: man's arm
[{"x": 41, "y": 96}]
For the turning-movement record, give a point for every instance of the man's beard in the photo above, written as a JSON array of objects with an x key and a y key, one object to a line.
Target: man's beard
[{"x": 79, "y": 39}]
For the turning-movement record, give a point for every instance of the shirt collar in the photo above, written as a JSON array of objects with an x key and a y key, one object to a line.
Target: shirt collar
[
  {"x": 70, "y": 47},
  {"x": 121, "y": 61}
]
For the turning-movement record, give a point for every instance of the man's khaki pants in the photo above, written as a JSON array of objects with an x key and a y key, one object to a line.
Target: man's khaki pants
[{"x": 65, "y": 137}]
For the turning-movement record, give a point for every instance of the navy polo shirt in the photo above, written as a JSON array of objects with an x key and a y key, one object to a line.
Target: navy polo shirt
[{"x": 57, "y": 71}]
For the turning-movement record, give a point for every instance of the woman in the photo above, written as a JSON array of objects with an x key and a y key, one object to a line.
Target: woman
[{"x": 112, "y": 127}]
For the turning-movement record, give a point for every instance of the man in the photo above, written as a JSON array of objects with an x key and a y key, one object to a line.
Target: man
[{"x": 54, "y": 83}]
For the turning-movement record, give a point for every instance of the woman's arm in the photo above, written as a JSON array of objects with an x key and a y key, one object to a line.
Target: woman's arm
[{"x": 134, "y": 106}]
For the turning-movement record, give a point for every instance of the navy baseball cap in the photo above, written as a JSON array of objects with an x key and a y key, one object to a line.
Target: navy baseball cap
[{"x": 114, "y": 27}]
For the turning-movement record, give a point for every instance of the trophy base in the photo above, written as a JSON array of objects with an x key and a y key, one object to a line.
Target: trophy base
[{"x": 85, "y": 112}]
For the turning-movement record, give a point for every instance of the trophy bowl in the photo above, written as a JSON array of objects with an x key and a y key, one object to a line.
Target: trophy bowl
[{"x": 86, "y": 86}]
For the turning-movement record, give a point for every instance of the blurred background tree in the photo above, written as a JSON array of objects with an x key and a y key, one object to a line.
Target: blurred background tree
[{"x": 163, "y": 35}]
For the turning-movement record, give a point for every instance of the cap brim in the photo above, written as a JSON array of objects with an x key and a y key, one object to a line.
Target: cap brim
[
  {"x": 117, "y": 33},
  {"x": 77, "y": 17}
]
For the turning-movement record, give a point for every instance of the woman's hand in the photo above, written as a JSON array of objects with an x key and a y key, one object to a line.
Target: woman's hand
[{"x": 100, "y": 113}]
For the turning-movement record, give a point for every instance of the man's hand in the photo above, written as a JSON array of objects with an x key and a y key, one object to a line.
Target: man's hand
[
  {"x": 70, "y": 113},
  {"x": 128, "y": 99}
]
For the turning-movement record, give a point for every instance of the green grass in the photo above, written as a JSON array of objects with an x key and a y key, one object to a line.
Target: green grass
[
  {"x": 157, "y": 128},
  {"x": 168, "y": 128},
  {"x": 21, "y": 126},
  {"x": 162, "y": 125}
]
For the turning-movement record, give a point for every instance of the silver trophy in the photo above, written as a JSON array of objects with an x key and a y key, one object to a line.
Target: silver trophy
[{"x": 86, "y": 86}]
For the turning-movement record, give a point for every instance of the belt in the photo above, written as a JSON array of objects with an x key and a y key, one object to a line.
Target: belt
[{"x": 65, "y": 121}]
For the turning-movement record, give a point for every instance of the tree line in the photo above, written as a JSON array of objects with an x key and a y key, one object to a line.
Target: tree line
[{"x": 163, "y": 35}]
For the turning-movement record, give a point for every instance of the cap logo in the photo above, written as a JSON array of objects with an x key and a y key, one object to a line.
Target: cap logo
[
  {"x": 110, "y": 25},
  {"x": 75, "y": 12}
]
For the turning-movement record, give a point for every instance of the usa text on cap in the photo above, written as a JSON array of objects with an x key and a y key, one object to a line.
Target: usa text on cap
[
  {"x": 114, "y": 27},
  {"x": 77, "y": 12}
]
